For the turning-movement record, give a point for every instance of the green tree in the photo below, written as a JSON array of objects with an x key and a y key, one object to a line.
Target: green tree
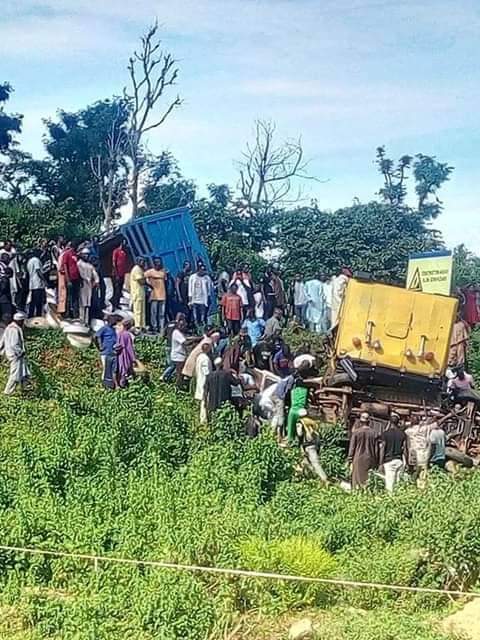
[
  {"x": 429, "y": 175},
  {"x": 165, "y": 187},
  {"x": 466, "y": 266},
  {"x": 231, "y": 237},
  {"x": 26, "y": 222},
  {"x": 86, "y": 167},
  {"x": 10, "y": 124},
  {"x": 373, "y": 237}
]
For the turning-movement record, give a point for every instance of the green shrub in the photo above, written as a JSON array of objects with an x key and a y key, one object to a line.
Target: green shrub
[{"x": 299, "y": 556}]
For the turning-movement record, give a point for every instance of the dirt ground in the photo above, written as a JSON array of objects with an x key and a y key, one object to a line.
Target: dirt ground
[{"x": 465, "y": 622}]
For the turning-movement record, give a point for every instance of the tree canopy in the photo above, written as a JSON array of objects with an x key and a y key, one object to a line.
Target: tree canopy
[
  {"x": 372, "y": 237},
  {"x": 10, "y": 124}
]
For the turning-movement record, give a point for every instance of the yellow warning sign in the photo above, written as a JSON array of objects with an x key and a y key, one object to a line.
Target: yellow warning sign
[{"x": 431, "y": 272}]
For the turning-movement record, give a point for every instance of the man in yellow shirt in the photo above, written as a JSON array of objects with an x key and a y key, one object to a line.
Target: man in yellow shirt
[
  {"x": 137, "y": 292},
  {"x": 156, "y": 279}
]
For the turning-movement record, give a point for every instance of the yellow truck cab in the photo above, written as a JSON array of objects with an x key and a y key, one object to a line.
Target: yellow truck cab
[{"x": 395, "y": 337}]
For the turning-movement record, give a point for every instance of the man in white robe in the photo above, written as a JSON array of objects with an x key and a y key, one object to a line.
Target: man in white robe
[
  {"x": 12, "y": 346},
  {"x": 339, "y": 285},
  {"x": 317, "y": 311}
]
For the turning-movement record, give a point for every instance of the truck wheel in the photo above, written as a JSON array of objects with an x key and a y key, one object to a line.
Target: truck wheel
[{"x": 459, "y": 457}]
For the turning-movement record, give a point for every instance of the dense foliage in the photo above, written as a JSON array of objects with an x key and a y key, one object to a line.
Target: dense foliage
[
  {"x": 374, "y": 237},
  {"x": 132, "y": 474}
]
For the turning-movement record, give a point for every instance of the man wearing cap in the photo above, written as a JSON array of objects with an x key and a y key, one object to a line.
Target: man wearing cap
[
  {"x": 363, "y": 452},
  {"x": 393, "y": 443},
  {"x": 12, "y": 346}
]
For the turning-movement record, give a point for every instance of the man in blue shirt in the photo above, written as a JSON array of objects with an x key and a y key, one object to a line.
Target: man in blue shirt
[
  {"x": 106, "y": 340},
  {"x": 254, "y": 326}
]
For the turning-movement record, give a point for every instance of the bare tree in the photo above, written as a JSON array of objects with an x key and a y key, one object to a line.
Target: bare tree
[
  {"x": 107, "y": 163},
  {"x": 152, "y": 72},
  {"x": 269, "y": 170}
]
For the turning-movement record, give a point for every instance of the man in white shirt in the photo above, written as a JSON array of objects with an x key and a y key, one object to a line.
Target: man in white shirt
[
  {"x": 12, "y": 346},
  {"x": 36, "y": 285},
  {"x": 199, "y": 291},
  {"x": 178, "y": 352},
  {"x": 203, "y": 367}
]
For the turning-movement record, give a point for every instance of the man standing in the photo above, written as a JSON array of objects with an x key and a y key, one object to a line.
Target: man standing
[
  {"x": 339, "y": 285},
  {"x": 137, "y": 293},
  {"x": 156, "y": 279},
  {"x": 69, "y": 266},
  {"x": 419, "y": 449},
  {"x": 106, "y": 340},
  {"x": 278, "y": 288},
  {"x": 254, "y": 326},
  {"x": 199, "y": 290},
  {"x": 12, "y": 346},
  {"x": 36, "y": 285},
  {"x": 299, "y": 300},
  {"x": 393, "y": 452},
  {"x": 459, "y": 343},
  {"x": 9, "y": 249},
  {"x": 119, "y": 271},
  {"x": 181, "y": 287},
  {"x": 178, "y": 351},
  {"x": 438, "y": 442},
  {"x": 363, "y": 452},
  {"x": 90, "y": 280},
  {"x": 203, "y": 367},
  {"x": 232, "y": 310},
  {"x": 316, "y": 313},
  {"x": 273, "y": 326},
  {"x": 6, "y": 306}
]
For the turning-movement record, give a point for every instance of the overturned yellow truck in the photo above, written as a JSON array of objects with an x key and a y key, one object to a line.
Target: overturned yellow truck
[{"x": 390, "y": 352}]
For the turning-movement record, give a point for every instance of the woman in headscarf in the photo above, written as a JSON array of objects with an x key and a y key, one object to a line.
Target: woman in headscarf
[{"x": 126, "y": 356}]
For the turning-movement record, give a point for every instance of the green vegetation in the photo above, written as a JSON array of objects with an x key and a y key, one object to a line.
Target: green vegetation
[{"x": 131, "y": 474}]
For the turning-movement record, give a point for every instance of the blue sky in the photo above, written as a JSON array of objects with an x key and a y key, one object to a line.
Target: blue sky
[{"x": 346, "y": 75}]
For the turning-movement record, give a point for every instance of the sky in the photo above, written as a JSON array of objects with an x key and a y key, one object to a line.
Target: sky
[{"x": 345, "y": 75}]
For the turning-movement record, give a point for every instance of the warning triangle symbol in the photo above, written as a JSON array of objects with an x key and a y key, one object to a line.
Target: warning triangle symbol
[{"x": 416, "y": 281}]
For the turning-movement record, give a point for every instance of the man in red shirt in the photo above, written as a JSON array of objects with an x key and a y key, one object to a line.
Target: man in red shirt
[
  {"x": 119, "y": 271},
  {"x": 72, "y": 279},
  {"x": 232, "y": 310}
]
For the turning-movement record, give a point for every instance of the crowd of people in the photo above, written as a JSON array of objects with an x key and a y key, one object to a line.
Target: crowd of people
[{"x": 225, "y": 343}]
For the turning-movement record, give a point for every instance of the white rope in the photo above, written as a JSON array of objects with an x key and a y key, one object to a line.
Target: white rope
[{"x": 238, "y": 572}]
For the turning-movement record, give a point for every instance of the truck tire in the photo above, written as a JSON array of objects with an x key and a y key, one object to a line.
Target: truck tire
[{"x": 459, "y": 457}]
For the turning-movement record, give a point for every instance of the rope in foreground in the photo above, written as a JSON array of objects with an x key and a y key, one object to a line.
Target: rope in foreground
[{"x": 96, "y": 560}]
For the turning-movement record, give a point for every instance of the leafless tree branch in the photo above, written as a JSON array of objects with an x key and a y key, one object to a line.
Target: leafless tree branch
[
  {"x": 268, "y": 170},
  {"x": 152, "y": 72}
]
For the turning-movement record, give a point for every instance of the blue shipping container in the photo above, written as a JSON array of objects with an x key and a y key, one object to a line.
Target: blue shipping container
[{"x": 168, "y": 234}]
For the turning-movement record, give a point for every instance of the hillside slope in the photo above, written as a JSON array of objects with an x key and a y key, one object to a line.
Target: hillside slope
[{"x": 131, "y": 474}]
